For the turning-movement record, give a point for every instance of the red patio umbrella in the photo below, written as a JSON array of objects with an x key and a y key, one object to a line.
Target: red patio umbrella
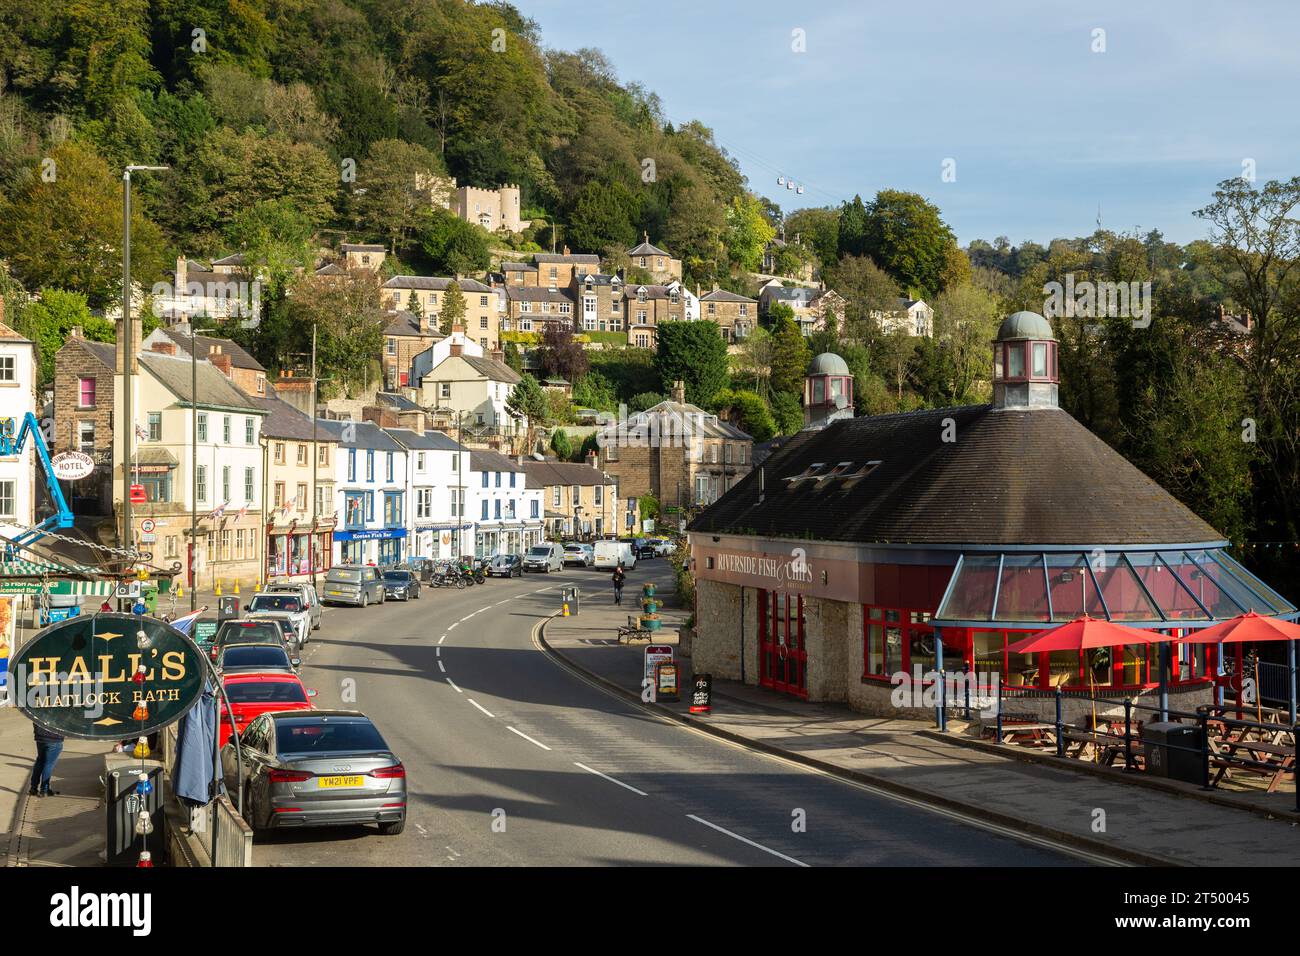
[
  {"x": 1246, "y": 629},
  {"x": 1083, "y": 633}
]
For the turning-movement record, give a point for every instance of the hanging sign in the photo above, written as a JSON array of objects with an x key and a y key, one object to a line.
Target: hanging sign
[
  {"x": 72, "y": 465},
  {"x": 107, "y": 676},
  {"x": 701, "y": 694}
]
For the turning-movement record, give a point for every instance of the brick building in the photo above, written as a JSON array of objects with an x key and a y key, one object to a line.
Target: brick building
[{"x": 83, "y": 417}]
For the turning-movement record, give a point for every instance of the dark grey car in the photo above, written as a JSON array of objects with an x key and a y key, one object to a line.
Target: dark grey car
[
  {"x": 401, "y": 585},
  {"x": 256, "y": 659},
  {"x": 317, "y": 768}
]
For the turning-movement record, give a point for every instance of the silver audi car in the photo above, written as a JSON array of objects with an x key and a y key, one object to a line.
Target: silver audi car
[{"x": 316, "y": 768}]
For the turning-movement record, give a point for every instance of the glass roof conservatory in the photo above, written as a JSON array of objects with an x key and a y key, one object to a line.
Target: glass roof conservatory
[{"x": 1173, "y": 587}]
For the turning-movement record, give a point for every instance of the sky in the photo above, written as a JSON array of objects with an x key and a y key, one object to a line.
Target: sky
[{"x": 1039, "y": 131}]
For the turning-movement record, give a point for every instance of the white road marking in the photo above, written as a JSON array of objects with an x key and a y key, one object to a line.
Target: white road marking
[
  {"x": 423, "y": 831},
  {"x": 499, "y": 603},
  {"x": 441, "y": 639},
  {"x": 441, "y": 667},
  {"x": 437, "y": 652},
  {"x": 527, "y": 738},
  {"x": 453, "y": 686},
  {"x": 452, "y": 628},
  {"x": 610, "y": 779},
  {"x": 480, "y": 707},
  {"x": 737, "y": 836}
]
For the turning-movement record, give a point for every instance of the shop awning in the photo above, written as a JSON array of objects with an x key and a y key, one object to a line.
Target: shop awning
[{"x": 1173, "y": 587}]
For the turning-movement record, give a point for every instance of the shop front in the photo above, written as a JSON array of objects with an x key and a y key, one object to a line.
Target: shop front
[
  {"x": 886, "y": 550},
  {"x": 378, "y": 546},
  {"x": 296, "y": 551},
  {"x": 436, "y": 539}
]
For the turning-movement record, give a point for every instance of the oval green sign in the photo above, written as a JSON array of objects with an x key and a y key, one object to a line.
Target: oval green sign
[{"x": 107, "y": 676}]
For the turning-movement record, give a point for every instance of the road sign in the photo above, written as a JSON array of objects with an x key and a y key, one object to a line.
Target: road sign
[
  {"x": 148, "y": 537},
  {"x": 147, "y": 525},
  {"x": 131, "y": 589}
]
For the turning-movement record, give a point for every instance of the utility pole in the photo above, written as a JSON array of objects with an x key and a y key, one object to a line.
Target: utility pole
[
  {"x": 315, "y": 460},
  {"x": 128, "y": 352}
]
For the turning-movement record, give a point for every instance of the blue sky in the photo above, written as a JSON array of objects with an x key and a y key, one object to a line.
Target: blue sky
[{"x": 1042, "y": 129}]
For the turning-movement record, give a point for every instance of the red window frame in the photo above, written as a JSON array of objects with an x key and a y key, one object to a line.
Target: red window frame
[
  {"x": 81, "y": 391},
  {"x": 906, "y": 622},
  {"x": 783, "y": 648}
]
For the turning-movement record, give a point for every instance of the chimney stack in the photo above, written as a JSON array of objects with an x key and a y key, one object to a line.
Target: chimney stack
[
  {"x": 593, "y": 459},
  {"x": 498, "y": 356},
  {"x": 165, "y": 348},
  {"x": 679, "y": 392},
  {"x": 220, "y": 360},
  {"x": 181, "y": 277},
  {"x": 456, "y": 349}
]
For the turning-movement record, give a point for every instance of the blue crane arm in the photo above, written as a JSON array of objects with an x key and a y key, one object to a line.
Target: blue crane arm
[{"x": 13, "y": 445}]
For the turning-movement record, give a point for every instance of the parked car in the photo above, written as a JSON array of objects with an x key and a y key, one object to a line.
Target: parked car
[
  {"x": 316, "y": 768},
  {"x": 247, "y": 632},
  {"x": 578, "y": 554},
  {"x": 644, "y": 549},
  {"x": 611, "y": 552},
  {"x": 401, "y": 585},
  {"x": 354, "y": 584},
  {"x": 664, "y": 547},
  {"x": 256, "y": 659},
  {"x": 307, "y": 592},
  {"x": 281, "y": 605},
  {"x": 546, "y": 557},
  {"x": 252, "y": 695},
  {"x": 505, "y": 566}
]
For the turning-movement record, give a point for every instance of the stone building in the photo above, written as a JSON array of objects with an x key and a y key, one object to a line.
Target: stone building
[
  {"x": 300, "y": 519},
  {"x": 810, "y": 306},
  {"x": 875, "y": 554},
  {"x": 234, "y": 361},
  {"x": 677, "y": 452},
  {"x": 492, "y": 209},
  {"x": 482, "y": 310},
  {"x": 663, "y": 268},
  {"x": 83, "y": 418},
  {"x": 580, "y": 498},
  {"x": 736, "y": 315}
]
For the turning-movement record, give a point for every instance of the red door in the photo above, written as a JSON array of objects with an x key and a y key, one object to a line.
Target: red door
[{"x": 782, "y": 655}]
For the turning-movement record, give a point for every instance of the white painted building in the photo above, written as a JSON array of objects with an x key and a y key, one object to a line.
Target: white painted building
[
  {"x": 507, "y": 514},
  {"x": 437, "y": 517},
  {"x": 17, "y": 398},
  {"x": 370, "y": 494}
]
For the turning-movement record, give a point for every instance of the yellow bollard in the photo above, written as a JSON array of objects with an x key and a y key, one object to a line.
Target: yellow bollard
[
  {"x": 236, "y": 585},
  {"x": 566, "y": 609},
  {"x": 180, "y": 591},
  {"x": 217, "y": 589}
]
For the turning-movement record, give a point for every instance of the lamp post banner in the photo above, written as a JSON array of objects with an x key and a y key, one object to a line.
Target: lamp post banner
[{"x": 107, "y": 676}]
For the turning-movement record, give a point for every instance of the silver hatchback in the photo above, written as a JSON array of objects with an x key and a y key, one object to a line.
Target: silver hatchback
[{"x": 316, "y": 768}]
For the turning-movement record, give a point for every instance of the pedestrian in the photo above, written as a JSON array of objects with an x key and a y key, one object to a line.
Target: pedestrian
[
  {"x": 49, "y": 744},
  {"x": 619, "y": 576}
]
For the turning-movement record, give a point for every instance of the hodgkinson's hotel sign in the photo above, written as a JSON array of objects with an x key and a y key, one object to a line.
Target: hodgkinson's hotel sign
[{"x": 107, "y": 676}]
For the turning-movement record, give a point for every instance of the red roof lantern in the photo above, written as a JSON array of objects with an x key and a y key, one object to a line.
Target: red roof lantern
[{"x": 1024, "y": 363}]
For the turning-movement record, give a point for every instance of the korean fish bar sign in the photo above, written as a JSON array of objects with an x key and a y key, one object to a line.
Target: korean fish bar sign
[{"x": 107, "y": 676}]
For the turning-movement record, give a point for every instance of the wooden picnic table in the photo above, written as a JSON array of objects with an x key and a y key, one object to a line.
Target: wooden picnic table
[
  {"x": 1040, "y": 735},
  {"x": 1272, "y": 760}
]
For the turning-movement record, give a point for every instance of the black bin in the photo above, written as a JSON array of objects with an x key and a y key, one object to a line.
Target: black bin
[
  {"x": 1174, "y": 751},
  {"x": 124, "y": 805}
]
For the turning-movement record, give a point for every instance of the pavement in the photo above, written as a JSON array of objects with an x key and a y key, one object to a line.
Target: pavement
[
  {"x": 1121, "y": 817},
  {"x": 67, "y": 829}
]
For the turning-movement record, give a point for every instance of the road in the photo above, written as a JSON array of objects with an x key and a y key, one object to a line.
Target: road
[{"x": 513, "y": 761}]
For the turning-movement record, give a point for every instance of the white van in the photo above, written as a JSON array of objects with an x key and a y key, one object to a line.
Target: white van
[
  {"x": 610, "y": 553},
  {"x": 547, "y": 556}
]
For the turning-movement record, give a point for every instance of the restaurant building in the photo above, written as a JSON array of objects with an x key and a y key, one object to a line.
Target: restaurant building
[{"x": 875, "y": 547}]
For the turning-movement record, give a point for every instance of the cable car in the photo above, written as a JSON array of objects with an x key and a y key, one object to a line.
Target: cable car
[{"x": 780, "y": 180}]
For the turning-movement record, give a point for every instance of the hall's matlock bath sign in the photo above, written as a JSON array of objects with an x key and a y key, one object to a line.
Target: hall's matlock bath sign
[{"x": 107, "y": 676}]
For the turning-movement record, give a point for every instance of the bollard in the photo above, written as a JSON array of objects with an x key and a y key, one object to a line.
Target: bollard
[
  {"x": 217, "y": 589},
  {"x": 1203, "y": 720},
  {"x": 965, "y": 669},
  {"x": 236, "y": 591},
  {"x": 564, "y": 610},
  {"x": 1060, "y": 725},
  {"x": 998, "y": 685},
  {"x": 1128, "y": 735}
]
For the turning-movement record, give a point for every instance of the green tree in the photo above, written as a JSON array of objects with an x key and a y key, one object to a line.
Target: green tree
[
  {"x": 561, "y": 445},
  {"x": 693, "y": 353},
  {"x": 866, "y": 288},
  {"x": 603, "y": 215},
  {"x": 49, "y": 320},
  {"x": 789, "y": 357},
  {"x": 453, "y": 308},
  {"x": 851, "y": 234},
  {"x": 748, "y": 232},
  {"x": 527, "y": 402},
  {"x": 398, "y": 179},
  {"x": 907, "y": 236},
  {"x": 746, "y": 411},
  {"x": 454, "y": 247},
  {"x": 67, "y": 233},
  {"x": 787, "y": 412}
]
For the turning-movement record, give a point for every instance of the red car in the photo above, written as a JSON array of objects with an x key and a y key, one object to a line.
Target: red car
[{"x": 252, "y": 695}]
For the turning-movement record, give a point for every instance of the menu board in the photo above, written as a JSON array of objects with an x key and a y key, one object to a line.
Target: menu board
[{"x": 701, "y": 693}]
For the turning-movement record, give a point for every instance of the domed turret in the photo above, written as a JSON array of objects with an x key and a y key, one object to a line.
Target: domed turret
[
  {"x": 1024, "y": 363},
  {"x": 827, "y": 390}
]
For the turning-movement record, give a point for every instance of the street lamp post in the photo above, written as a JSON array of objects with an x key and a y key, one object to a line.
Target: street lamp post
[
  {"x": 128, "y": 422},
  {"x": 194, "y": 460}
]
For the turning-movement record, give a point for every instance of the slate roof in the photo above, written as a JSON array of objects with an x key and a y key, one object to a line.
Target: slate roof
[
  {"x": 331, "y": 269},
  {"x": 361, "y": 247},
  {"x": 175, "y": 372},
  {"x": 578, "y": 258},
  {"x": 1012, "y": 477},
  {"x": 481, "y": 460},
  {"x": 237, "y": 259},
  {"x": 646, "y": 249},
  {"x": 491, "y": 368},
  {"x": 435, "y": 283},
  {"x": 519, "y": 293},
  {"x": 105, "y": 352},
  {"x": 365, "y": 435},
  {"x": 394, "y": 400},
  {"x": 564, "y": 473},
  {"x": 404, "y": 323},
  {"x": 284, "y": 421},
  {"x": 722, "y": 295},
  {"x": 430, "y": 440},
  {"x": 239, "y": 358},
  {"x": 517, "y": 267}
]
